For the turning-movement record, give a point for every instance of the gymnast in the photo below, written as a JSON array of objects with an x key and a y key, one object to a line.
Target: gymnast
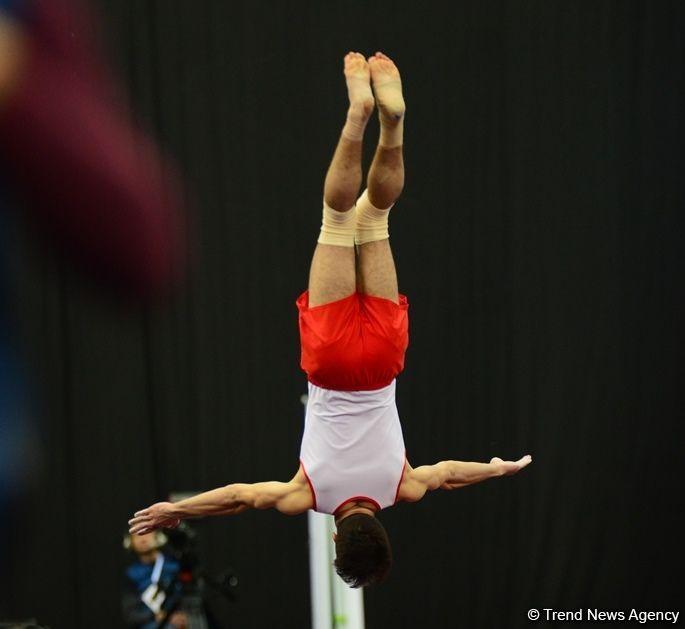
[{"x": 354, "y": 333}]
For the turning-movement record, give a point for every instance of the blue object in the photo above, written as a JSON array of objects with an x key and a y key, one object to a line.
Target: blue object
[{"x": 139, "y": 578}]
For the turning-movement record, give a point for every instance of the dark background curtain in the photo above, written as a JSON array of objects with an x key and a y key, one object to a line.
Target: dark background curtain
[{"x": 539, "y": 242}]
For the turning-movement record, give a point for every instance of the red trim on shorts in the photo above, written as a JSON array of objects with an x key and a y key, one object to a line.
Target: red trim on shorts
[
  {"x": 366, "y": 498},
  {"x": 373, "y": 387},
  {"x": 309, "y": 482},
  {"x": 404, "y": 467}
]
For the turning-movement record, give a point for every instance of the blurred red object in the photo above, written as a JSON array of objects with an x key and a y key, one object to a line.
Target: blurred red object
[{"x": 90, "y": 176}]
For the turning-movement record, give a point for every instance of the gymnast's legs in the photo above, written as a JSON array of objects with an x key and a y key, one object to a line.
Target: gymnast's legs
[
  {"x": 335, "y": 273},
  {"x": 332, "y": 274},
  {"x": 376, "y": 273}
]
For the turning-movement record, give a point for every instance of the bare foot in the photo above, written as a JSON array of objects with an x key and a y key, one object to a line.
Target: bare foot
[
  {"x": 357, "y": 77},
  {"x": 387, "y": 87}
]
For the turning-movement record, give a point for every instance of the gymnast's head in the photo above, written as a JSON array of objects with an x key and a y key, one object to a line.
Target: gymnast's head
[{"x": 362, "y": 548}]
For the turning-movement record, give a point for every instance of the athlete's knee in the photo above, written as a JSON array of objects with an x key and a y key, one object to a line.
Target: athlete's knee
[
  {"x": 372, "y": 222},
  {"x": 337, "y": 228}
]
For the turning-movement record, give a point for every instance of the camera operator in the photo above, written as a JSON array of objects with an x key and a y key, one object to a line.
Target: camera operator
[{"x": 152, "y": 589}]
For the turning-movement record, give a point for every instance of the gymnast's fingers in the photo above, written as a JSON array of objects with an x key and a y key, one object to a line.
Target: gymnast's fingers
[{"x": 139, "y": 520}]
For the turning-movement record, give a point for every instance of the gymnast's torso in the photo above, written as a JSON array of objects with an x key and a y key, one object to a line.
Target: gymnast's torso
[{"x": 352, "y": 448}]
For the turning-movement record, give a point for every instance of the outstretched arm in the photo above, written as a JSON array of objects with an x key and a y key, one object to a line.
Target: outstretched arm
[
  {"x": 457, "y": 474},
  {"x": 228, "y": 500}
]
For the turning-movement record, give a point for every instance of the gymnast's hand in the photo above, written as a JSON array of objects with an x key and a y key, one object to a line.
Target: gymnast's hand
[
  {"x": 457, "y": 474},
  {"x": 157, "y": 516},
  {"x": 507, "y": 468}
]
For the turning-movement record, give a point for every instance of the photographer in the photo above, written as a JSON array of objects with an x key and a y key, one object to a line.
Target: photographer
[{"x": 152, "y": 589}]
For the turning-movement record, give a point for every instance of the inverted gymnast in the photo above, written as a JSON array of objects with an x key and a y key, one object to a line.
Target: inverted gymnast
[{"x": 354, "y": 333}]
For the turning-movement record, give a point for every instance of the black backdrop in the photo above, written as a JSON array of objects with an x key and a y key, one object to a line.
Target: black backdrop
[{"x": 539, "y": 241}]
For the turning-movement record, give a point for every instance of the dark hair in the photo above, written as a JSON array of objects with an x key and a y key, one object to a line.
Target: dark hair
[{"x": 362, "y": 548}]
